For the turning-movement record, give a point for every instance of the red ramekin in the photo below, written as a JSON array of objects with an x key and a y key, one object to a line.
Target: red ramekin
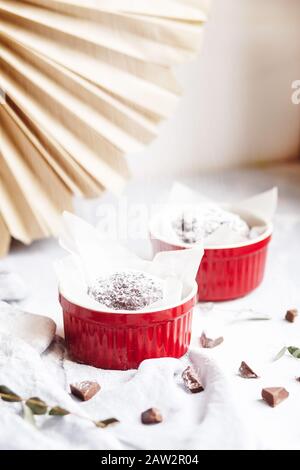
[
  {"x": 122, "y": 340},
  {"x": 227, "y": 272}
]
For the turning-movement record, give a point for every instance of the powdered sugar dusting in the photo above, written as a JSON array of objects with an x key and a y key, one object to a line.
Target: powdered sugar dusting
[
  {"x": 194, "y": 226},
  {"x": 127, "y": 290}
]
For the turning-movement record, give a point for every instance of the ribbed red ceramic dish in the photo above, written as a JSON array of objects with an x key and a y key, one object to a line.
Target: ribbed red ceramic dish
[
  {"x": 227, "y": 272},
  {"x": 122, "y": 340}
]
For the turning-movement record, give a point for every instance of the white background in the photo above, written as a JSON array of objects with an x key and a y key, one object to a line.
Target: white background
[{"x": 237, "y": 104}]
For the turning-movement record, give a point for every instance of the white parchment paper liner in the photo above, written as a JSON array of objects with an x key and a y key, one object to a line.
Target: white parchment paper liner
[
  {"x": 91, "y": 256},
  {"x": 258, "y": 211}
]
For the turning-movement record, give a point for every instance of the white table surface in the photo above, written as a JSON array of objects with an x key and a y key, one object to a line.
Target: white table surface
[{"x": 254, "y": 342}]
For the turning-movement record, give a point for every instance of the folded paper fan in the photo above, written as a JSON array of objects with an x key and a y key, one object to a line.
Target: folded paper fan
[{"x": 82, "y": 83}]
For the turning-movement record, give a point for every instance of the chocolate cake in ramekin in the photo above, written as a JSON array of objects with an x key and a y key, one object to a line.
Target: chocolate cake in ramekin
[
  {"x": 227, "y": 271},
  {"x": 122, "y": 339}
]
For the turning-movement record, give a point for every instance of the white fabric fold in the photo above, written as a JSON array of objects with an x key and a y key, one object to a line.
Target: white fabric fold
[
  {"x": 38, "y": 331},
  {"x": 12, "y": 286},
  {"x": 205, "y": 420}
]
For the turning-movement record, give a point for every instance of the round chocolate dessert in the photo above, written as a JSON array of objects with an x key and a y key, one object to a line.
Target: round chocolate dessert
[
  {"x": 194, "y": 226},
  {"x": 127, "y": 290}
]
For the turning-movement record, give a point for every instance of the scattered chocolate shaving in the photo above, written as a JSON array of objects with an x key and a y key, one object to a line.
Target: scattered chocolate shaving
[
  {"x": 85, "y": 390},
  {"x": 191, "y": 380},
  {"x": 274, "y": 395},
  {"x": 209, "y": 343},
  {"x": 246, "y": 372},
  {"x": 298, "y": 379},
  {"x": 151, "y": 416},
  {"x": 291, "y": 315}
]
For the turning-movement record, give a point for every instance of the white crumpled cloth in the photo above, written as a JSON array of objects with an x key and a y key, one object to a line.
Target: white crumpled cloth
[
  {"x": 36, "y": 330},
  {"x": 229, "y": 414},
  {"x": 207, "y": 420}
]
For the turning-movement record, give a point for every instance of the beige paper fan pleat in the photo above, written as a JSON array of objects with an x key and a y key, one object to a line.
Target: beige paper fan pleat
[
  {"x": 86, "y": 82},
  {"x": 4, "y": 237}
]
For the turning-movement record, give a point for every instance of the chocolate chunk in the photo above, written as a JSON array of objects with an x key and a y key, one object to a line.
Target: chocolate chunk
[
  {"x": 274, "y": 395},
  {"x": 151, "y": 416},
  {"x": 191, "y": 380},
  {"x": 298, "y": 379},
  {"x": 246, "y": 372},
  {"x": 291, "y": 315},
  {"x": 85, "y": 390},
  {"x": 209, "y": 343}
]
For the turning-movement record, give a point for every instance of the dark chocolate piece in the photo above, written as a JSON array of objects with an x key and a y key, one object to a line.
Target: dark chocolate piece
[
  {"x": 85, "y": 390},
  {"x": 209, "y": 343},
  {"x": 191, "y": 380},
  {"x": 151, "y": 416},
  {"x": 246, "y": 372},
  {"x": 291, "y": 315},
  {"x": 274, "y": 395},
  {"x": 298, "y": 379}
]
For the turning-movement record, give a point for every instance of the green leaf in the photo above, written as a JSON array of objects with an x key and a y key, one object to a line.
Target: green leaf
[
  {"x": 58, "y": 411},
  {"x": 295, "y": 352},
  {"x": 106, "y": 422},
  {"x": 8, "y": 395},
  {"x": 37, "y": 406},
  {"x": 28, "y": 415},
  {"x": 280, "y": 354}
]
